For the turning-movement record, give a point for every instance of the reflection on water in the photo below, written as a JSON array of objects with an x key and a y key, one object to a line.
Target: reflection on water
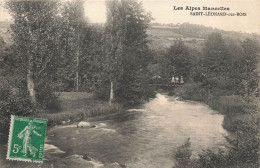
[{"x": 146, "y": 137}]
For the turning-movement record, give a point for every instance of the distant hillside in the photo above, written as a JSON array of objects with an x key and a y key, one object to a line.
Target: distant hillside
[{"x": 163, "y": 35}]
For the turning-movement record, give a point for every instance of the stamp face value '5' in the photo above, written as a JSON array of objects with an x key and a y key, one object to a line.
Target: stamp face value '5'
[{"x": 26, "y": 139}]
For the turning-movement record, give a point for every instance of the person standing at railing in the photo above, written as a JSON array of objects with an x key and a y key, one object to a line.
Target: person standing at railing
[
  {"x": 173, "y": 80},
  {"x": 182, "y": 81}
]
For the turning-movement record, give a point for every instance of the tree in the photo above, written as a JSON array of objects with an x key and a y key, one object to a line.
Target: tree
[
  {"x": 113, "y": 38},
  {"x": 90, "y": 63},
  {"x": 234, "y": 71},
  {"x": 35, "y": 36},
  {"x": 248, "y": 64},
  {"x": 216, "y": 58},
  {"x": 179, "y": 60},
  {"x": 74, "y": 24},
  {"x": 127, "y": 51},
  {"x": 243, "y": 66},
  {"x": 217, "y": 67}
]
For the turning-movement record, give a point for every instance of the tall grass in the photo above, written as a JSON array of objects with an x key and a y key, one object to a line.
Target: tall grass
[
  {"x": 77, "y": 106},
  {"x": 78, "y": 115}
]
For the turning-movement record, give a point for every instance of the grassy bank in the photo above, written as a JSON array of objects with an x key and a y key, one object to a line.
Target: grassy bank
[
  {"x": 77, "y": 106},
  {"x": 231, "y": 106},
  {"x": 239, "y": 119}
]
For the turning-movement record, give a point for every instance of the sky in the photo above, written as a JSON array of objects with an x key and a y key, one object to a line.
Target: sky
[{"x": 162, "y": 12}]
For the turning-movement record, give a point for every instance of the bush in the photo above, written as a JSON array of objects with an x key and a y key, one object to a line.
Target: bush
[
  {"x": 193, "y": 91},
  {"x": 125, "y": 93},
  {"x": 46, "y": 96},
  {"x": 133, "y": 94},
  {"x": 13, "y": 101},
  {"x": 183, "y": 155},
  {"x": 102, "y": 93},
  {"x": 209, "y": 159},
  {"x": 243, "y": 150}
]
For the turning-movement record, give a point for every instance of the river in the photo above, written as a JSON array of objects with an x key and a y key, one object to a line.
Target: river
[{"x": 144, "y": 137}]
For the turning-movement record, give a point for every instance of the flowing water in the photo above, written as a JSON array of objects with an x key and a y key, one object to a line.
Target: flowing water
[{"x": 146, "y": 137}]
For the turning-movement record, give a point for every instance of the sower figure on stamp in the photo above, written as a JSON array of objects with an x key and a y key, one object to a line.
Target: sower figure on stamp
[{"x": 26, "y": 134}]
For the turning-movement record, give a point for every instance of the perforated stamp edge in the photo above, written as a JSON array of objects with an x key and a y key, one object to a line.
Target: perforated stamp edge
[{"x": 9, "y": 145}]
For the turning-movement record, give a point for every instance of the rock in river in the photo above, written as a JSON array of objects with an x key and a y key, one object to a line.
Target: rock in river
[{"x": 84, "y": 124}]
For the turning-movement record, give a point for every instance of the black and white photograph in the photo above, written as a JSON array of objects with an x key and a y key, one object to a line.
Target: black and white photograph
[{"x": 129, "y": 84}]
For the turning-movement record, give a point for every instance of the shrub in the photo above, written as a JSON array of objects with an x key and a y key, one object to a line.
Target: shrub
[
  {"x": 133, "y": 94},
  {"x": 13, "y": 101},
  {"x": 192, "y": 91},
  {"x": 243, "y": 150},
  {"x": 183, "y": 155},
  {"x": 46, "y": 96},
  {"x": 102, "y": 92},
  {"x": 209, "y": 159},
  {"x": 126, "y": 94}
]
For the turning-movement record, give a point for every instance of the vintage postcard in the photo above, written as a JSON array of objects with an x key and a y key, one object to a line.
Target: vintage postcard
[{"x": 129, "y": 83}]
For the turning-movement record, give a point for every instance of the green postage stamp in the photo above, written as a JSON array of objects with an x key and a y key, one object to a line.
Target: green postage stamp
[{"x": 26, "y": 139}]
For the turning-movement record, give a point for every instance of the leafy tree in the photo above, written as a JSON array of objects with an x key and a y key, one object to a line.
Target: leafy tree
[
  {"x": 35, "y": 36},
  {"x": 249, "y": 64},
  {"x": 234, "y": 72},
  {"x": 72, "y": 29},
  {"x": 216, "y": 58},
  {"x": 127, "y": 51},
  {"x": 216, "y": 68},
  {"x": 92, "y": 53},
  {"x": 179, "y": 60},
  {"x": 113, "y": 37},
  {"x": 243, "y": 66},
  {"x": 4, "y": 51}
]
